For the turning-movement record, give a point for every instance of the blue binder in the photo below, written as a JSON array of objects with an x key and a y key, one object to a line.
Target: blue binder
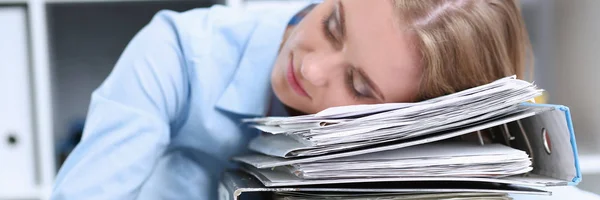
[
  {"x": 544, "y": 131},
  {"x": 561, "y": 111}
]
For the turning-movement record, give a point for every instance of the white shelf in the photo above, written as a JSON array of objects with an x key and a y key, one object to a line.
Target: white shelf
[
  {"x": 30, "y": 193},
  {"x": 12, "y": 2},
  {"x": 43, "y": 94},
  {"x": 108, "y": 1}
]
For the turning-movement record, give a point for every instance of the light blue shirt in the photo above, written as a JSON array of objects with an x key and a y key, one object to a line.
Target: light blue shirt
[{"x": 166, "y": 121}]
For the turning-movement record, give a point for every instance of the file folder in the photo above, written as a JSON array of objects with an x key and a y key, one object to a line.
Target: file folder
[
  {"x": 545, "y": 132},
  {"x": 237, "y": 185}
]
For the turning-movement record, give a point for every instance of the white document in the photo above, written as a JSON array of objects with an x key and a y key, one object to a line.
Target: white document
[
  {"x": 348, "y": 111},
  {"x": 350, "y": 127},
  {"x": 434, "y": 162},
  {"x": 445, "y": 159},
  {"x": 281, "y": 145},
  {"x": 277, "y": 178}
]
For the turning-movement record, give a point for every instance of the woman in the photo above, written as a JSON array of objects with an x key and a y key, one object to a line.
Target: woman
[{"x": 165, "y": 122}]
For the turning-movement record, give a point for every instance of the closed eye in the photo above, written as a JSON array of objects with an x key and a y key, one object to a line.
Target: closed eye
[{"x": 357, "y": 85}]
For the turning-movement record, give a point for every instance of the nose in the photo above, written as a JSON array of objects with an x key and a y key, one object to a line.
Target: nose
[{"x": 319, "y": 69}]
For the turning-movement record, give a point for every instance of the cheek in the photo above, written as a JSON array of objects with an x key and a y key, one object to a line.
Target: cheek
[
  {"x": 278, "y": 67},
  {"x": 278, "y": 82},
  {"x": 292, "y": 42},
  {"x": 338, "y": 96},
  {"x": 301, "y": 40},
  {"x": 402, "y": 89}
]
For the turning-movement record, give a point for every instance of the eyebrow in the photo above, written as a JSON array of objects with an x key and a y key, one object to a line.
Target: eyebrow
[
  {"x": 371, "y": 84},
  {"x": 342, "y": 18}
]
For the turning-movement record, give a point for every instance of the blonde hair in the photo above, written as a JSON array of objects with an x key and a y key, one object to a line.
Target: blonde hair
[{"x": 465, "y": 43}]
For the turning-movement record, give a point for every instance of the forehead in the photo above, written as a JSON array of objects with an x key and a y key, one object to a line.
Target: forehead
[{"x": 377, "y": 44}]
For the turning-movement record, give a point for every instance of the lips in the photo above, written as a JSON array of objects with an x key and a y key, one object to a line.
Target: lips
[{"x": 293, "y": 81}]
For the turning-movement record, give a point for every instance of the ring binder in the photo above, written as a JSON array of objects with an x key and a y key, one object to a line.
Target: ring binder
[
  {"x": 394, "y": 144},
  {"x": 506, "y": 137},
  {"x": 559, "y": 168}
]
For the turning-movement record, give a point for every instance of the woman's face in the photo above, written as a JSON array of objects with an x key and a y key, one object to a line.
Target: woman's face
[{"x": 346, "y": 52}]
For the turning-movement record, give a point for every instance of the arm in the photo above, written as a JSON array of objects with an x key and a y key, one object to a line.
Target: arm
[{"x": 129, "y": 120}]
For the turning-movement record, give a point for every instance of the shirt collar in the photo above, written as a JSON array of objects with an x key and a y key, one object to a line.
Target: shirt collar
[{"x": 249, "y": 91}]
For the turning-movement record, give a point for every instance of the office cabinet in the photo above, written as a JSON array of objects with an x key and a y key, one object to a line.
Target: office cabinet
[{"x": 17, "y": 167}]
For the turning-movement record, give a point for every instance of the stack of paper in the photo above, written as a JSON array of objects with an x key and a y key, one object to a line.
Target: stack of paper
[
  {"x": 446, "y": 159},
  {"x": 397, "y": 142},
  {"x": 350, "y": 127},
  {"x": 440, "y": 161}
]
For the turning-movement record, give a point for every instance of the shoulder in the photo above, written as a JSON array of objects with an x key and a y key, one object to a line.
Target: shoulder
[
  {"x": 218, "y": 27},
  {"x": 201, "y": 28}
]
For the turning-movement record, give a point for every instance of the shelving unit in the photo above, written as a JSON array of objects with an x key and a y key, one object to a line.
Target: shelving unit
[{"x": 61, "y": 74}]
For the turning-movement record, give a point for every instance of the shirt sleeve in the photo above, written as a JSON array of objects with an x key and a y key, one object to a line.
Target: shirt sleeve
[{"x": 130, "y": 118}]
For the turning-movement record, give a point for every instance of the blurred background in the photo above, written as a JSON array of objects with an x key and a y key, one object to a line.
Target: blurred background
[{"x": 54, "y": 53}]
